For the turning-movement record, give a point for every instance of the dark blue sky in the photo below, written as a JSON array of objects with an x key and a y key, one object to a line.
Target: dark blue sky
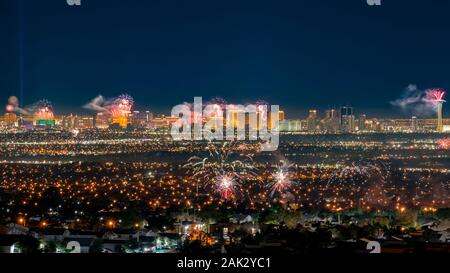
[{"x": 298, "y": 54}]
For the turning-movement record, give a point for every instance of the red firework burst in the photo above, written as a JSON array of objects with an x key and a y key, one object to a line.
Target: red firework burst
[
  {"x": 226, "y": 186},
  {"x": 435, "y": 95},
  {"x": 443, "y": 143},
  {"x": 9, "y": 108}
]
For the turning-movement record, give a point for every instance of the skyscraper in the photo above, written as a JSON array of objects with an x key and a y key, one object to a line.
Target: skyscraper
[
  {"x": 331, "y": 121},
  {"x": 312, "y": 120},
  {"x": 347, "y": 119},
  {"x": 362, "y": 122},
  {"x": 102, "y": 120},
  {"x": 281, "y": 115},
  {"x": 440, "y": 125},
  {"x": 414, "y": 124}
]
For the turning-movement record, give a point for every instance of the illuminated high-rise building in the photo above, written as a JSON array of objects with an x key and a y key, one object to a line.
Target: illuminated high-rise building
[
  {"x": 85, "y": 122},
  {"x": 312, "y": 120},
  {"x": 330, "y": 121},
  {"x": 414, "y": 124},
  {"x": 140, "y": 119},
  {"x": 271, "y": 123},
  {"x": 10, "y": 119},
  {"x": 347, "y": 119},
  {"x": 102, "y": 120},
  {"x": 362, "y": 122},
  {"x": 149, "y": 116},
  {"x": 312, "y": 114},
  {"x": 281, "y": 115},
  {"x": 440, "y": 124},
  {"x": 68, "y": 121},
  {"x": 436, "y": 96},
  {"x": 163, "y": 122}
]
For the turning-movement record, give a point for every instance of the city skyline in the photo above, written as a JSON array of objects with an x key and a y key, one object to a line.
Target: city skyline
[
  {"x": 299, "y": 114},
  {"x": 241, "y": 52},
  {"x": 303, "y": 114}
]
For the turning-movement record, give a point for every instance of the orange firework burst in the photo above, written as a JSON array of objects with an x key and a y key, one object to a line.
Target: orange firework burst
[
  {"x": 43, "y": 110},
  {"x": 121, "y": 107}
]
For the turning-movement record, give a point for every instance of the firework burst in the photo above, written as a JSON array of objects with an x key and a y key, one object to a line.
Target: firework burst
[
  {"x": 222, "y": 170},
  {"x": 118, "y": 107},
  {"x": 226, "y": 186},
  {"x": 443, "y": 143},
  {"x": 366, "y": 180},
  {"x": 43, "y": 110},
  {"x": 281, "y": 181},
  {"x": 121, "y": 106},
  {"x": 435, "y": 95},
  {"x": 364, "y": 169}
]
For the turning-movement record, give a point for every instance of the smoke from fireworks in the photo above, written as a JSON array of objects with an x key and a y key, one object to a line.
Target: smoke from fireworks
[
  {"x": 419, "y": 102},
  {"x": 97, "y": 104},
  {"x": 13, "y": 103},
  {"x": 13, "y": 106},
  {"x": 117, "y": 107},
  {"x": 41, "y": 110},
  {"x": 222, "y": 171}
]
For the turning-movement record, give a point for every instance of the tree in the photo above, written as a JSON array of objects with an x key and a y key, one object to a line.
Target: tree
[
  {"x": 292, "y": 218},
  {"x": 194, "y": 247},
  {"x": 53, "y": 246},
  {"x": 96, "y": 246},
  {"x": 430, "y": 235},
  {"x": 28, "y": 245},
  {"x": 406, "y": 219},
  {"x": 270, "y": 216},
  {"x": 239, "y": 233},
  {"x": 382, "y": 221},
  {"x": 130, "y": 217},
  {"x": 443, "y": 213}
]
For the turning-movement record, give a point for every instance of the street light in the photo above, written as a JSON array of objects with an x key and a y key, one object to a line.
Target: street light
[{"x": 21, "y": 221}]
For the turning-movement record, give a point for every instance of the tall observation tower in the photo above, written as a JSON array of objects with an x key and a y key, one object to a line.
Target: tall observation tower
[
  {"x": 440, "y": 126},
  {"x": 436, "y": 96}
]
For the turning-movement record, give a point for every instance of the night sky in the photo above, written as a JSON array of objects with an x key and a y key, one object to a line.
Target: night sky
[{"x": 298, "y": 54}]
